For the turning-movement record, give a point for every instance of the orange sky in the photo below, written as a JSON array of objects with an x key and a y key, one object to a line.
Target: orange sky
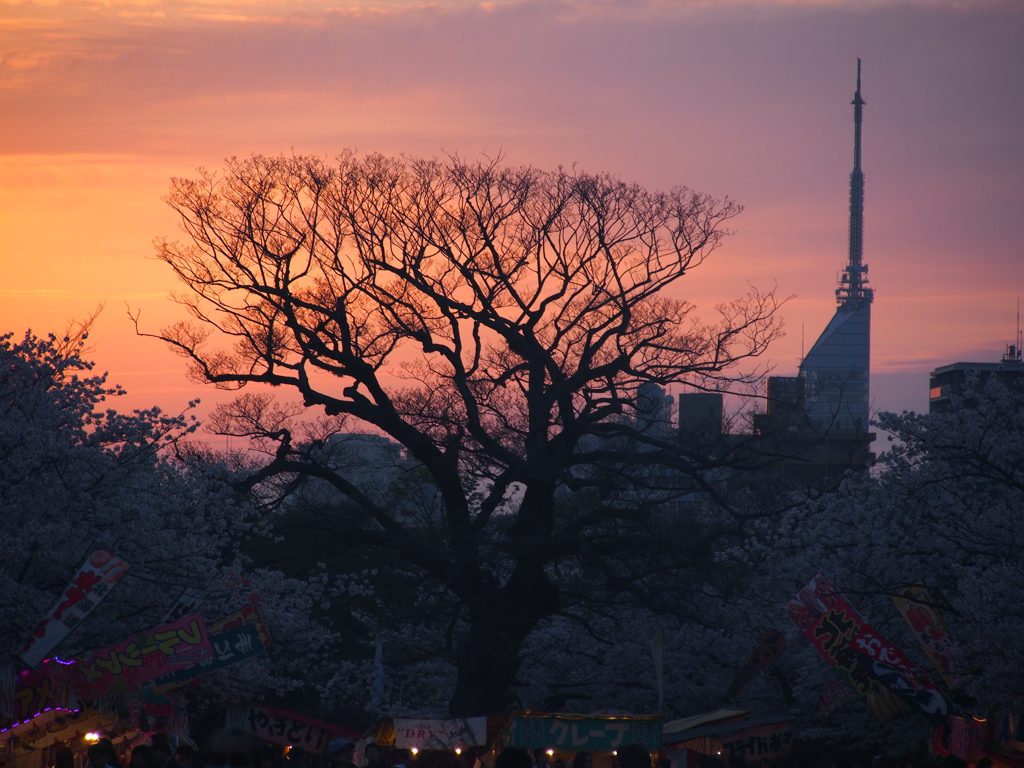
[{"x": 102, "y": 102}]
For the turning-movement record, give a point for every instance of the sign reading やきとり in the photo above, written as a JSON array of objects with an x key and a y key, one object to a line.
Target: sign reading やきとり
[{"x": 283, "y": 727}]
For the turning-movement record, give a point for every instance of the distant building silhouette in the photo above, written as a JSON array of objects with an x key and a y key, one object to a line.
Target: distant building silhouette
[{"x": 952, "y": 380}]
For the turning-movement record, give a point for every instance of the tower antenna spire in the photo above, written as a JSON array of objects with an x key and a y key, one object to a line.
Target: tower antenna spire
[{"x": 853, "y": 284}]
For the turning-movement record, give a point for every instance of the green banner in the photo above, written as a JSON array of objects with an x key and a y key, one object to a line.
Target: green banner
[{"x": 593, "y": 734}]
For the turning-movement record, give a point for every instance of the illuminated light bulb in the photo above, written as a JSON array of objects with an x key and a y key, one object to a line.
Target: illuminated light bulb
[
  {"x": 92, "y": 737},
  {"x": 458, "y": 750},
  {"x": 415, "y": 751}
]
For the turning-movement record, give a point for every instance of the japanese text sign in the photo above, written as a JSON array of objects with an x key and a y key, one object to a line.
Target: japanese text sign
[
  {"x": 593, "y": 734},
  {"x": 48, "y": 687},
  {"x": 230, "y": 646},
  {"x": 101, "y": 570},
  {"x": 148, "y": 655},
  {"x": 830, "y": 623},
  {"x": 282, "y": 727}
]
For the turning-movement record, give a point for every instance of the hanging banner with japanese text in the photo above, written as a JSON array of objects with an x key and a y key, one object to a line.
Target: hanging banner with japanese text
[
  {"x": 102, "y": 569},
  {"x": 143, "y": 657},
  {"x": 233, "y": 639},
  {"x": 853, "y": 646},
  {"x": 918, "y": 609},
  {"x": 927, "y": 700},
  {"x": 767, "y": 652},
  {"x": 830, "y": 623},
  {"x": 593, "y": 734},
  {"x": 283, "y": 727}
]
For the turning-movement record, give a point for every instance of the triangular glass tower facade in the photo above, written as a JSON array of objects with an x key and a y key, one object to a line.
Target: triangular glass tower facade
[{"x": 836, "y": 370}]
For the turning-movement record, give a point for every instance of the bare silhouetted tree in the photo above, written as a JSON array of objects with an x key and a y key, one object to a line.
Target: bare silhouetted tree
[{"x": 495, "y": 321}]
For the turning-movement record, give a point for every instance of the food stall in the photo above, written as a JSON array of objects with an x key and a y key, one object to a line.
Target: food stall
[{"x": 726, "y": 734}]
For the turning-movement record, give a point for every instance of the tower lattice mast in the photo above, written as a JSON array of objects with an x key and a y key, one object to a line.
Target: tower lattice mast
[{"x": 853, "y": 287}]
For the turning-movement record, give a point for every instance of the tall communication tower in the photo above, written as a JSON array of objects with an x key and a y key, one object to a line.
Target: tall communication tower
[{"x": 837, "y": 367}]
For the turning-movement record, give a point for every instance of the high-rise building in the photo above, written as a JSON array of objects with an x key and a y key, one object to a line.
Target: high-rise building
[
  {"x": 954, "y": 380},
  {"x": 836, "y": 369}
]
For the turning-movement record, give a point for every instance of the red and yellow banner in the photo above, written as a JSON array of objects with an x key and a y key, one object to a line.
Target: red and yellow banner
[
  {"x": 143, "y": 657},
  {"x": 918, "y": 609},
  {"x": 872, "y": 665}
]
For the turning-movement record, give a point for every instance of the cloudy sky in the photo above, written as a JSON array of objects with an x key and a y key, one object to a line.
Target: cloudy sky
[{"x": 101, "y": 103}]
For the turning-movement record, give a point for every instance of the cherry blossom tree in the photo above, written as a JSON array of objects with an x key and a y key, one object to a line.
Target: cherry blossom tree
[
  {"x": 946, "y": 507},
  {"x": 73, "y": 472}
]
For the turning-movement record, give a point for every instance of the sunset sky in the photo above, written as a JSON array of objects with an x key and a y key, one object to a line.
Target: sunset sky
[{"x": 101, "y": 103}]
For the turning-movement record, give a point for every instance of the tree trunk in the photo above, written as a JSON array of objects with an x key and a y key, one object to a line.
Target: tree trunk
[{"x": 490, "y": 654}]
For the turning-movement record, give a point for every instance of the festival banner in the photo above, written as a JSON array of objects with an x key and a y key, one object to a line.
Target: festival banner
[
  {"x": 143, "y": 657},
  {"x": 926, "y": 699},
  {"x": 830, "y": 623},
  {"x": 594, "y": 734},
  {"x": 282, "y": 727},
  {"x": 440, "y": 734},
  {"x": 233, "y": 639},
  {"x": 102, "y": 569},
  {"x": 861, "y": 654},
  {"x": 917, "y": 608},
  {"x": 766, "y": 653},
  {"x": 50, "y": 686}
]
